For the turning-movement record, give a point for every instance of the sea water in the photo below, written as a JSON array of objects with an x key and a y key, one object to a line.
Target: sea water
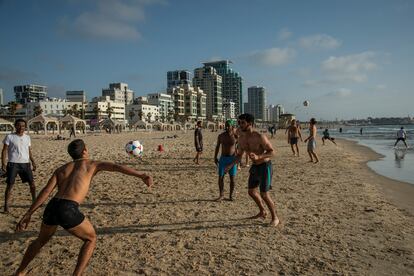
[{"x": 398, "y": 162}]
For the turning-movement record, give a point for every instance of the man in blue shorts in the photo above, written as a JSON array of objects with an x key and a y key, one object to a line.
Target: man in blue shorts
[{"x": 227, "y": 140}]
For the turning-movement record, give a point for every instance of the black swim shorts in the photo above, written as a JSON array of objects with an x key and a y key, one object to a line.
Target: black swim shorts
[
  {"x": 261, "y": 176},
  {"x": 63, "y": 212},
  {"x": 22, "y": 169}
]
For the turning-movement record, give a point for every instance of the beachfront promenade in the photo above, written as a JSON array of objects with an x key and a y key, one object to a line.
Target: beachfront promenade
[{"x": 335, "y": 216}]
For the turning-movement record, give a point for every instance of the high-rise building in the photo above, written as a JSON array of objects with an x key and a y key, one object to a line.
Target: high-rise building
[
  {"x": 30, "y": 93},
  {"x": 232, "y": 83},
  {"x": 1, "y": 97},
  {"x": 119, "y": 92},
  {"x": 210, "y": 82},
  {"x": 256, "y": 96},
  {"x": 164, "y": 102},
  {"x": 229, "y": 110},
  {"x": 76, "y": 96},
  {"x": 178, "y": 77}
]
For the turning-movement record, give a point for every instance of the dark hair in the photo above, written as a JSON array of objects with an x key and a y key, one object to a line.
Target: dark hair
[
  {"x": 199, "y": 123},
  {"x": 19, "y": 121},
  {"x": 75, "y": 148},
  {"x": 247, "y": 117},
  {"x": 313, "y": 121}
]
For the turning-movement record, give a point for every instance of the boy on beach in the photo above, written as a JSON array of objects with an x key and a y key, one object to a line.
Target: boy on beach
[
  {"x": 260, "y": 151},
  {"x": 227, "y": 140},
  {"x": 72, "y": 181},
  {"x": 293, "y": 136},
  {"x": 312, "y": 141},
  {"x": 198, "y": 142},
  {"x": 17, "y": 149},
  {"x": 401, "y": 136},
  {"x": 327, "y": 136}
]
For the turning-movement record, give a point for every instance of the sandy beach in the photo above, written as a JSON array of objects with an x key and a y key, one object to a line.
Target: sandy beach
[{"x": 338, "y": 217}]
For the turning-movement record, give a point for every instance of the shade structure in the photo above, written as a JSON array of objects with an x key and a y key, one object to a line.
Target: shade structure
[{"x": 44, "y": 120}]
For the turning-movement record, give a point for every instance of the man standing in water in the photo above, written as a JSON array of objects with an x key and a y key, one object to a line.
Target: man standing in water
[
  {"x": 401, "y": 136},
  {"x": 198, "y": 142},
  {"x": 72, "y": 181},
  {"x": 260, "y": 151},
  {"x": 227, "y": 140},
  {"x": 17, "y": 149}
]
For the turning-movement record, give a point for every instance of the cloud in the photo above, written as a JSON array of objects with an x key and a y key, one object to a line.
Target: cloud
[
  {"x": 15, "y": 75},
  {"x": 349, "y": 68},
  {"x": 340, "y": 93},
  {"x": 284, "y": 34},
  {"x": 319, "y": 41},
  {"x": 273, "y": 56},
  {"x": 113, "y": 20}
]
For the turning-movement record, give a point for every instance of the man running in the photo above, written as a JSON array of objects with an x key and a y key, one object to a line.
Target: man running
[
  {"x": 293, "y": 135},
  {"x": 227, "y": 140},
  {"x": 401, "y": 136},
  {"x": 260, "y": 151},
  {"x": 72, "y": 181},
  {"x": 17, "y": 149}
]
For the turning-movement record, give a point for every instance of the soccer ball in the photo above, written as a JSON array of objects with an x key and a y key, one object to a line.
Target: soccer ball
[{"x": 134, "y": 148}]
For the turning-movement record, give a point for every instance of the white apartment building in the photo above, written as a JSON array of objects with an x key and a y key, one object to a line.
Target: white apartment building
[
  {"x": 229, "y": 109},
  {"x": 164, "y": 103},
  {"x": 149, "y": 113},
  {"x": 189, "y": 102},
  {"x": 54, "y": 107},
  {"x": 211, "y": 83},
  {"x": 119, "y": 92},
  {"x": 100, "y": 107}
]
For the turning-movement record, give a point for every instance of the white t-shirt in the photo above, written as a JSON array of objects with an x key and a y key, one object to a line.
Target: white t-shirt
[
  {"x": 401, "y": 133},
  {"x": 18, "y": 148}
]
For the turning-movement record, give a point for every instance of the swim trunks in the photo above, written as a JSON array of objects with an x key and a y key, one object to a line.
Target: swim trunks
[
  {"x": 63, "y": 212},
  {"x": 22, "y": 169},
  {"x": 223, "y": 162},
  {"x": 293, "y": 140},
  {"x": 261, "y": 176},
  {"x": 311, "y": 145}
]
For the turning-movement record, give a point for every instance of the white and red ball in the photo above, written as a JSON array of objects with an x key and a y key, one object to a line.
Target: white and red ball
[{"x": 134, "y": 148}]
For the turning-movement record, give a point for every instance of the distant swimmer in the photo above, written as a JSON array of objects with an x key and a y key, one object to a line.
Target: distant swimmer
[
  {"x": 72, "y": 181},
  {"x": 198, "y": 142},
  {"x": 360, "y": 131},
  {"x": 327, "y": 136},
  {"x": 401, "y": 136},
  {"x": 260, "y": 175},
  {"x": 312, "y": 141},
  {"x": 227, "y": 140},
  {"x": 293, "y": 136}
]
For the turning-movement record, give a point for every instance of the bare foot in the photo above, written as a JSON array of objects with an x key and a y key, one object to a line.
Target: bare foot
[
  {"x": 316, "y": 162},
  {"x": 310, "y": 161},
  {"x": 220, "y": 198},
  {"x": 274, "y": 222},
  {"x": 231, "y": 198},
  {"x": 261, "y": 215}
]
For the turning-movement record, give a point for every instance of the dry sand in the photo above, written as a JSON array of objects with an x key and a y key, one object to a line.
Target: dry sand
[{"x": 338, "y": 217}]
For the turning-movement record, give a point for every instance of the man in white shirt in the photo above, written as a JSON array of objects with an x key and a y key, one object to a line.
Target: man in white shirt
[
  {"x": 401, "y": 136},
  {"x": 16, "y": 148}
]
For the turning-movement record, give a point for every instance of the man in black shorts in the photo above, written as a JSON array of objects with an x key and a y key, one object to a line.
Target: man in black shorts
[
  {"x": 17, "y": 150},
  {"x": 198, "y": 142},
  {"x": 72, "y": 181}
]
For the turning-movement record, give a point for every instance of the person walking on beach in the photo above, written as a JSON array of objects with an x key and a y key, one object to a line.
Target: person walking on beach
[
  {"x": 72, "y": 181},
  {"x": 227, "y": 140},
  {"x": 198, "y": 141},
  {"x": 17, "y": 149},
  {"x": 401, "y": 136},
  {"x": 327, "y": 136},
  {"x": 312, "y": 141},
  {"x": 293, "y": 135},
  {"x": 260, "y": 175},
  {"x": 72, "y": 132}
]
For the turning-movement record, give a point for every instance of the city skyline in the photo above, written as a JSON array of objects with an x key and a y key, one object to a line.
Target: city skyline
[{"x": 350, "y": 60}]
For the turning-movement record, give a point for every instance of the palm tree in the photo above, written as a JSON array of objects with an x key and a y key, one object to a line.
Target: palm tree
[
  {"x": 74, "y": 110},
  {"x": 37, "y": 110},
  {"x": 163, "y": 118},
  {"x": 96, "y": 111},
  {"x": 149, "y": 115},
  {"x": 131, "y": 114},
  {"x": 140, "y": 114},
  {"x": 12, "y": 108},
  {"x": 157, "y": 118}
]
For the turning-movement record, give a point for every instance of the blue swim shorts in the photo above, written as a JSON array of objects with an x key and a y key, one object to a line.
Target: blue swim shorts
[{"x": 224, "y": 161}]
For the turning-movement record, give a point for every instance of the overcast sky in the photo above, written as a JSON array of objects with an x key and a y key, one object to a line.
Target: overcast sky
[{"x": 350, "y": 59}]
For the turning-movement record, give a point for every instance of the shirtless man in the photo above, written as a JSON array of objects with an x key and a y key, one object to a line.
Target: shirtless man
[
  {"x": 312, "y": 141},
  {"x": 260, "y": 151},
  {"x": 293, "y": 136},
  {"x": 238, "y": 132},
  {"x": 198, "y": 142},
  {"x": 227, "y": 140},
  {"x": 72, "y": 181}
]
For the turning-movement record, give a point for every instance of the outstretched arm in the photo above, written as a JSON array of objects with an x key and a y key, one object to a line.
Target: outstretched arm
[
  {"x": 41, "y": 198},
  {"x": 112, "y": 167}
]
